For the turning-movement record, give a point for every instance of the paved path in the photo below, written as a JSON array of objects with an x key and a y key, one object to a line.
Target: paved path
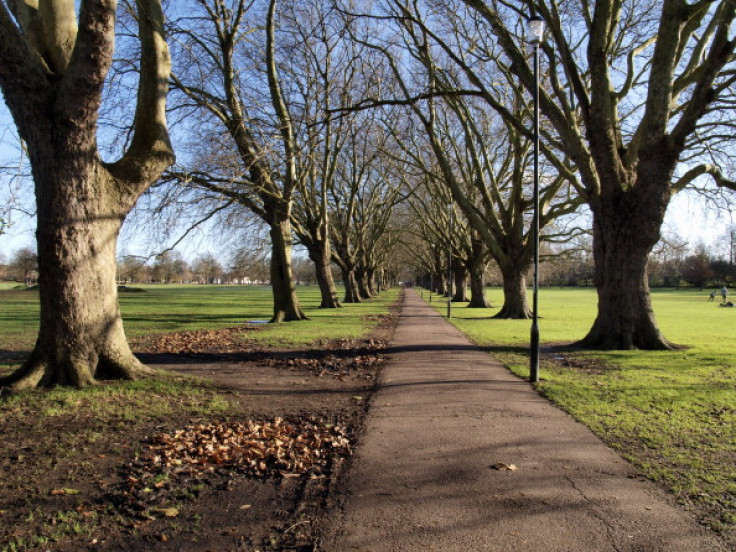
[{"x": 445, "y": 412}]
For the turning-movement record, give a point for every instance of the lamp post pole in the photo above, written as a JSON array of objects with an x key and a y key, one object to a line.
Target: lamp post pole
[
  {"x": 536, "y": 30},
  {"x": 449, "y": 261},
  {"x": 431, "y": 271}
]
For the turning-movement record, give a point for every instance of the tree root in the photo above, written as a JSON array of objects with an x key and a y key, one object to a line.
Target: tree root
[
  {"x": 38, "y": 371},
  {"x": 33, "y": 373},
  {"x": 513, "y": 314}
]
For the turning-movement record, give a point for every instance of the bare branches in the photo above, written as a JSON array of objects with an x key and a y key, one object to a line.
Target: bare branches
[{"x": 700, "y": 170}]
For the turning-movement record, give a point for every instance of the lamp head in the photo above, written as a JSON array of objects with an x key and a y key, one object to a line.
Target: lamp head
[{"x": 535, "y": 29}]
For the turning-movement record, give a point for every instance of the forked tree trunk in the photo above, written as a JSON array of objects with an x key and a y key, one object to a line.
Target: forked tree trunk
[
  {"x": 81, "y": 336},
  {"x": 515, "y": 303},
  {"x": 460, "y": 275},
  {"x": 352, "y": 294},
  {"x": 321, "y": 256},
  {"x": 81, "y": 202},
  {"x": 623, "y": 236},
  {"x": 286, "y": 306},
  {"x": 478, "y": 299}
]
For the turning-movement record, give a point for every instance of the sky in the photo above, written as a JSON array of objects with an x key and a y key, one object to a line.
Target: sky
[{"x": 687, "y": 216}]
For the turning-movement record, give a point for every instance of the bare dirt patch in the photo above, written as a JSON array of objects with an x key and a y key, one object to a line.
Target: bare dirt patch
[{"x": 159, "y": 470}]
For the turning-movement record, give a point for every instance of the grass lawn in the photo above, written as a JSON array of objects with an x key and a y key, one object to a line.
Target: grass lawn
[
  {"x": 673, "y": 414},
  {"x": 175, "y": 308}
]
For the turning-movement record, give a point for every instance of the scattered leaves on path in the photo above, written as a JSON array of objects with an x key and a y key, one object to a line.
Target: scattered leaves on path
[{"x": 502, "y": 466}]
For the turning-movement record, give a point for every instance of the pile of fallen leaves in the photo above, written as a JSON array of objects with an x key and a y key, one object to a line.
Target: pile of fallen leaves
[
  {"x": 337, "y": 366},
  {"x": 268, "y": 448},
  {"x": 201, "y": 453},
  {"x": 223, "y": 340}
]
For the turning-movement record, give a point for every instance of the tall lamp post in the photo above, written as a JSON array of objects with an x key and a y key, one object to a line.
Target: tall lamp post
[
  {"x": 449, "y": 261},
  {"x": 535, "y": 29}
]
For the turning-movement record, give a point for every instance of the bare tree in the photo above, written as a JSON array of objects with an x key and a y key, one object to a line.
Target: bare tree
[
  {"x": 481, "y": 159},
  {"x": 25, "y": 265},
  {"x": 362, "y": 200},
  {"x": 53, "y": 65},
  {"x": 259, "y": 168},
  {"x": 631, "y": 91}
]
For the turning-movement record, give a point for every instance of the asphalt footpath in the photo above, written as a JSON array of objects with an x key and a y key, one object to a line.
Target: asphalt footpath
[{"x": 435, "y": 467}]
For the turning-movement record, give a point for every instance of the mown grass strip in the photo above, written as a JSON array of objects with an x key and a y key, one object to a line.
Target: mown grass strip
[{"x": 175, "y": 308}]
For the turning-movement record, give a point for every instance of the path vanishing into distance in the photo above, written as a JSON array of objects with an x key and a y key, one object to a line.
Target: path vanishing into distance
[{"x": 446, "y": 416}]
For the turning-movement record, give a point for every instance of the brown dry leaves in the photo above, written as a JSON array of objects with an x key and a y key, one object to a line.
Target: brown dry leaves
[
  {"x": 213, "y": 451},
  {"x": 330, "y": 365},
  {"x": 260, "y": 449},
  {"x": 223, "y": 340}
]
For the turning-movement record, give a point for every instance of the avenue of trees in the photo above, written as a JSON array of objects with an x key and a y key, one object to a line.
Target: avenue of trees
[{"x": 347, "y": 128}]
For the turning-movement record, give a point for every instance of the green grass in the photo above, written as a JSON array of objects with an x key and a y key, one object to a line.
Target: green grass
[
  {"x": 174, "y": 308},
  {"x": 673, "y": 413}
]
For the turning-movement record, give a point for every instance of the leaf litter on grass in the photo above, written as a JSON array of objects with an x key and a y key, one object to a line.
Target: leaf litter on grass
[{"x": 199, "y": 454}]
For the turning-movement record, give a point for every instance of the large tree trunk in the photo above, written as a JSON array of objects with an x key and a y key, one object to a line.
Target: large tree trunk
[
  {"x": 81, "y": 336},
  {"x": 286, "y": 306},
  {"x": 478, "y": 299},
  {"x": 81, "y": 202},
  {"x": 624, "y": 233},
  {"x": 321, "y": 256},
  {"x": 460, "y": 274},
  {"x": 352, "y": 294},
  {"x": 440, "y": 287},
  {"x": 370, "y": 274},
  {"x": 362, "y": 281},
  {"x": 515, "y": 303}
]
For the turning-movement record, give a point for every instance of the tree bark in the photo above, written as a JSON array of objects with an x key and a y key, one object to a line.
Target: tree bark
[
  {"x": 515, "y": 303},
  {"x": 321, "y": 256},
  {"x": 362, "y": 282},
  {"x": 624, "y": 233},
  {"x": 286, "y": 306},
  {"x": 460, "y": 275},
  {"x": 81, "y": 202},
  {"x": 370, "y": 275},
  {"x": 478, "y": 299},
  {"x": 440, "y": 287},
  {"x": 81, "y": 337},
  {"x": 352, "y": 295}
]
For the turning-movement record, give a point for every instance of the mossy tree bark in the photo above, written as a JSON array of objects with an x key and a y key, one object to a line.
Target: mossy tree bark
[{"x": 51, "y": 73}]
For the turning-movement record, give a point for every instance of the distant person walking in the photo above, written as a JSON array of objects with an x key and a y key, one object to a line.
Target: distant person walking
[
  {"x": 712, "y": 296},
  {"x": 724, "y": 293}
]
